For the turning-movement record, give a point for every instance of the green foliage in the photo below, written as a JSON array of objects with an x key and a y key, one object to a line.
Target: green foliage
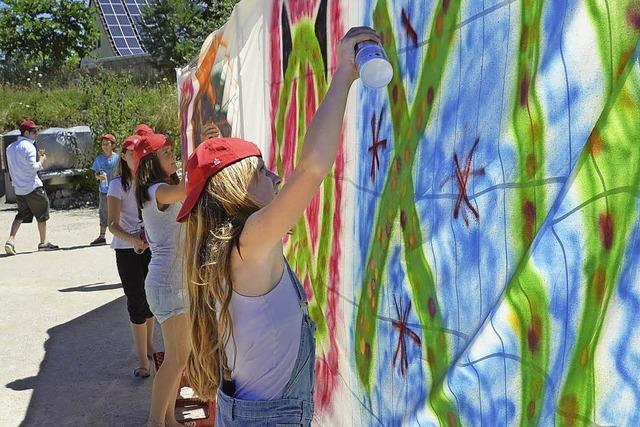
[
  {"x": 105, "y": 101},
  {"x": 45, "y": 33},
  {"x": 174, "y": 30}
]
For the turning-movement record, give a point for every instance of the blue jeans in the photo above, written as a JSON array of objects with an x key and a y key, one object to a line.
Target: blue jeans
[{"x": 295, "y": 408}]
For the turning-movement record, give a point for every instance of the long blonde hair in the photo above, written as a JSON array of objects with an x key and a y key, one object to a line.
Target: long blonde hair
[{"x": 212, "y": 232}]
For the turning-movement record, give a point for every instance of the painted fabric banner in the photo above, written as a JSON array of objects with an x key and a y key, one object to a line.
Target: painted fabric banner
[{"x": 474, "y": 257}]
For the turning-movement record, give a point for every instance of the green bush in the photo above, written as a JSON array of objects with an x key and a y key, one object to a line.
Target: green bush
[{"x": 107, "y": 102}]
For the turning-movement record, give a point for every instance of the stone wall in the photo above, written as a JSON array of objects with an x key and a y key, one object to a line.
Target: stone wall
[{"x": 71, "y": 198}]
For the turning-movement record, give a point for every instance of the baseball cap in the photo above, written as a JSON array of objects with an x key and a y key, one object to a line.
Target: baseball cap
[
  {"x": 209, "y": 158},
  {"x": 130, "y": 142},
  {"x": 108, "y": 137},
  {"x": 143, "y": 129},
  {"x": 28, "y": 125}
]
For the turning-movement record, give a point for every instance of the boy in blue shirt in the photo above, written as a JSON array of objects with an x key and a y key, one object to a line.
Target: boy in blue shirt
[{"x": 103, "y": 168}]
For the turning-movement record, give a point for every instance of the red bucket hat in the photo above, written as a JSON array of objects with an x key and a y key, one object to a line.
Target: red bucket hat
[
  {"x": 130, "y": 142},
  {"x": 143, "y": 129},
  {"x": 208, "y": 159}
]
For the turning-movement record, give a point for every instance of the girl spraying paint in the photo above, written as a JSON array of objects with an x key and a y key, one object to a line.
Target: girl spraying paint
[
  {"x": 159, "y": 195},
  {"x": 252, "y": 338}
]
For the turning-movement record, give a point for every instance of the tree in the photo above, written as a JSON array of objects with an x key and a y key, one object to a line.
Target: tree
[
  {"x": 174, "y": 30},
  {"x": 47, "y": 33}
]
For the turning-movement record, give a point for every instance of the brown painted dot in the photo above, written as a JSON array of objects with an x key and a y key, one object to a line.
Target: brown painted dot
[
  {"x": 568, "y": 408},
  {"x": 403, "y": 219},
  {"x": 418, "y": 123},
  {"x": 445, "y": 5},
  {"x": 431, "y": 357},
  {"x": 531, "y": 409},
  {"x": 595, "y": 142},
  {"x": 367, "y": 350},
  {"x": 529, "y": 212},
  {"x": 409, "y": 133},
  {"x": 439, "y": 23},
  {"x": 605, "y": 224},
  {"x": 452, "y": 420},
  {"x": 394, "y": 93},
  {"x": 530, "y": 165},
  {"x": 431, "y": 305},
  {"x": 430, "y": 96},
  {"x": 599, "y": 283},
  {"x": 407, "y": 154},
  {"x": 584, "y": 356},
  {"x": 398, "y": 164},
  {"x": 633, "y": 15},
  {"x": 524, "y": 38},
  {"x": 412, "y": 241},
  {"x": 524, "y": 90},
  {"x": 534, "y": 333},
  {"x": 388, "y": 228},
  {"x": 372, "y": 287},
  {"x": 624, "y": 59},
  {"x": 360, "y": 320}
]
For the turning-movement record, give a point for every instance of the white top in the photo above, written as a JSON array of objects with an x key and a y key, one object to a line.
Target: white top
[
  {"x": 23, "y": 166},
  {"x": 165, "y": 240},
  {"x": 129, "y": 220}
]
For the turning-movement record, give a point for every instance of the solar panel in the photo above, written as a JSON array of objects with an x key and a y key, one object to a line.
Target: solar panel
[
  {"x": 134, "y": 7},
  {"x": 122, "y": 20}
]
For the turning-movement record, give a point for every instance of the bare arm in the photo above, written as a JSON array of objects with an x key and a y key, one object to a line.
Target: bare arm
[
  {"x": 169, "y": 194},
  {"x": 265, "y": 228},
  {"x": 114, "y": 205}
]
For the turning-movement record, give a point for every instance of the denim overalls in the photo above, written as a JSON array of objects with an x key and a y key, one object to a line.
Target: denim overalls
[{"x": 295, "y": 408}]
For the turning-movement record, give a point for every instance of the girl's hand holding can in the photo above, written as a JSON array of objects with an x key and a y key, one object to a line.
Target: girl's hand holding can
[{"x": 347, "y": 47}]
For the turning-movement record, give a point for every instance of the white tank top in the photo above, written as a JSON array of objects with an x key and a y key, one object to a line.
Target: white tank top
[{"x": 165, "y": 241}]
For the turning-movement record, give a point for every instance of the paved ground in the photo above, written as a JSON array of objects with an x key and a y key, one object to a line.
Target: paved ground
[{"x": 66, "y": 354}]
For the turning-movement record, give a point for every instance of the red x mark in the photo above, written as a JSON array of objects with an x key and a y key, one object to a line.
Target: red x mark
[
  {"x": 403, "y": 329},
  {"x": 376, "y": 143},
  {"x": 462, "y": 177}
]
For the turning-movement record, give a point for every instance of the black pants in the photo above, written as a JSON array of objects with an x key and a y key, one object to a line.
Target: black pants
[{"x": 133, "y": 270}]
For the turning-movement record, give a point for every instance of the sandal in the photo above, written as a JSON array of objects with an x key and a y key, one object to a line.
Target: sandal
[{"x": 141, "y": 372}]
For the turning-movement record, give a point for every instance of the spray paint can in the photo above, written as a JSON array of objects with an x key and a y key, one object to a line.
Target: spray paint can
[
  {"x": 373, "y": 65},
  {"x": 143, "y": 237}
]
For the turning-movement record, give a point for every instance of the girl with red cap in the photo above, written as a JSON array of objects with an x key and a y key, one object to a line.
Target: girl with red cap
[
  {"x": 132, "y": 253},
  {"x": 159, "y": 194},
  {"x": 251, "y": 335}
]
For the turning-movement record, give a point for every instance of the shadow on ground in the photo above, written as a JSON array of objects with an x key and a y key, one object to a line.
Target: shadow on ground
[
  {"x": 86, "y": 376},
  {"x": 68, "y": 248}
]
